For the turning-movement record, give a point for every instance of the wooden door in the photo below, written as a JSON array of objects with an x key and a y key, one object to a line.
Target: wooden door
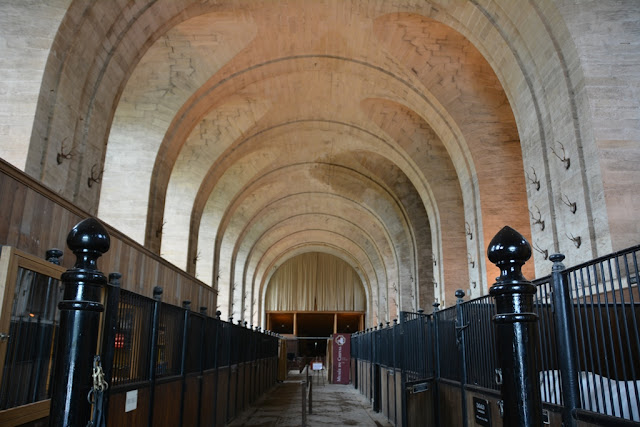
[{"x": 29, "y": 293}]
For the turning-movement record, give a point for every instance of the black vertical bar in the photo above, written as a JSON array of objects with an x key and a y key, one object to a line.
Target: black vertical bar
[
  {"x": 436, "y": 365},
  {"x": 229, "y": 345},
  {"x": 620, "y": 349},
  {"x": 238, "y": 358},
  {"x": 565, "y": 339},
  {"x": 186, "y": 305},
  {"x": 109, "y": 336},
  {"x": 216, "y": 366},
  {"x": 634, "y": 321},
  {"x": 153, "y": 351},
  {"x": 516, "y": 331},
  {"x": 403, "y": 373},
  {"x": 79, "y": 322},
  {"x": 460, "y": 335},
  {"x": 386, "y": 349},
  {"x": 203, "y": 312},
  {"x": 36, "y": 370}
]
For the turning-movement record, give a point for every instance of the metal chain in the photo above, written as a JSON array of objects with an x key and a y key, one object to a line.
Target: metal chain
[{"x": 95, "y": 393}]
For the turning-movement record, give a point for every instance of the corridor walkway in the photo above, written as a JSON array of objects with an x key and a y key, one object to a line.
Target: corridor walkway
[{"x": 333, "y": 404}]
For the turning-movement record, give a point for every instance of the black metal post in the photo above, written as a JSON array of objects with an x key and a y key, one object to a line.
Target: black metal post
[
  {"x": 79, "y": 322},
  {"x": 460, "y": 327},
  {"x": 395, "y": 371},
  {"x": 516, "y": 330},
  {"x": 153, "y": 358},
  {"x": 230, "y": 344},
  {"x": 403, "y": 373},
  {"x": 109, "y": 336},
  {"x": 235, "y": 405},
  {"x": 186, "y": 305},
  {"x": 436, "y": 365},
  {"x": 203, "y": 312},
  {"x": 565, "y": 339},
  {"x": 217, "y": 368}
]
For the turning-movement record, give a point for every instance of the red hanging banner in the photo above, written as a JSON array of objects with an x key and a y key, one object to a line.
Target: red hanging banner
[{"x": 341, "y": 358}]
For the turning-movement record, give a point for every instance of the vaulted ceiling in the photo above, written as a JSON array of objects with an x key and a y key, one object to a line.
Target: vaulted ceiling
[
  {"x": 345, "y": 127},
  {"x": 235, "y": 135}
]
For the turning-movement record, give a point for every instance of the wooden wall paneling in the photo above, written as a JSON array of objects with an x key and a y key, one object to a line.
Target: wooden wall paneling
[
  {"x": 26, "y": 222},
  {"x": 58, "y": 235},
  {"x": 192, "y": 390},
  {"x": 208, "y": 396},
  {"x": 33, "y": 219},
  {"x": 223, "y": 380},
  {"x": 138, "y": 417},
  {"x": 246, "y": 395},
  {"x": 449, "y": 404},
  {"x": 7, "y": 189},
  {"x": 232, "y": 392},
  {"x": 15, "y": 215},
  {"x": 166, "y": 404}
]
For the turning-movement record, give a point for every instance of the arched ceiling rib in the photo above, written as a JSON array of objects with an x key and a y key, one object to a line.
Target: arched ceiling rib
[
  {"x": 230, "y": 112},
  {"x": 244, "y": 123}
]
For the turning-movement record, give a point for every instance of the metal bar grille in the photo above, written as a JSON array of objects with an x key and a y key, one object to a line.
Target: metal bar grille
[
  {"x": 33, "y": 328},
  {"x": 132, "y": 344},
  {"x": 481, "y": 350}
]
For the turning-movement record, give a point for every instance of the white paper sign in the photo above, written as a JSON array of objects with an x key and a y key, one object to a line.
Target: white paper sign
[
  {"x": 317, "y": 366},
  {"x": 132, "y": 401}
]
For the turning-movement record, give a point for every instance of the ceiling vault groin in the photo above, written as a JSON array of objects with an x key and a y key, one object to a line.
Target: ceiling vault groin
[{"x": 230, "y": 136}]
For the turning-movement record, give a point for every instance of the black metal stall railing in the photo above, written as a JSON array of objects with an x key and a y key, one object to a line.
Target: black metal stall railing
[
  {"x": 179, "y": 352},
  {"x": 590, "y": 339},
  {"x": 604, "y": 309}
]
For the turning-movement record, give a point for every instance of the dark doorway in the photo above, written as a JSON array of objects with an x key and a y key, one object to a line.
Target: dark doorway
[{"x": 314, "y": 325}]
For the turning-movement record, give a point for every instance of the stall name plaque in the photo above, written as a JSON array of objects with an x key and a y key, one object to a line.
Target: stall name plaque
[{"x": 482, "y": 412}]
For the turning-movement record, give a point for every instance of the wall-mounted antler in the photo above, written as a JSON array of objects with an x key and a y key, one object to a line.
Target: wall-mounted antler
[
  {"x": 572, "y": 205},
  {"x": 160, "y": 228},
  {"x": 467, "y": 229},
  {"x": 544, "y": 252},
  {"x": 564, "y": 159},
  {"x": 537, "y": 220},
  {"x": 535, "y": 181},
  {"x": 576, "y": 240},
  {"x": 62, "y": 155},
  {"x": 95, "y": 176}
]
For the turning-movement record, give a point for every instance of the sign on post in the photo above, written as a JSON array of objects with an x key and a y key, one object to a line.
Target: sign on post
[{"x": 341, "y": 358}]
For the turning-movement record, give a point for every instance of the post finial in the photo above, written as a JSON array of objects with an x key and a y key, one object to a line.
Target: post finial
[
  {"x": 88, "y": 240},
  {"x": 53, "y": 256},
  {"x": 509, "y": 250},
  {"x": 557, "y": 262},
  {"x": 114, "y": 278}
]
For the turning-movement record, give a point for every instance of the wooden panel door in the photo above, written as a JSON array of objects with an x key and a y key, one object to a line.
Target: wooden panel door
[{"x": 29, "y": 293}]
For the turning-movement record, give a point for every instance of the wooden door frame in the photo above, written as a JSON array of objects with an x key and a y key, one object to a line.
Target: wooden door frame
[{"x": 11, "y": 259}]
